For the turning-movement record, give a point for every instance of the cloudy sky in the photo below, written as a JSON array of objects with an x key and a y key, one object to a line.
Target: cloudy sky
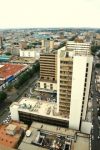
[{"x": 49, "y": 13}]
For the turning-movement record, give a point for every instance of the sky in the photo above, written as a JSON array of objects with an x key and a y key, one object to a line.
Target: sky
[{"x": 49, "y": 13}]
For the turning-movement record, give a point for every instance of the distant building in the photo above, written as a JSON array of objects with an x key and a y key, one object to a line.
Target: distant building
[
  {"x": 5, "y": 58},
  {"x": 47, "y": 44},
  {"x": 23, "y": 44},
  {"x": 30, "y": 53},
  {"x": 97, "y": 40}
]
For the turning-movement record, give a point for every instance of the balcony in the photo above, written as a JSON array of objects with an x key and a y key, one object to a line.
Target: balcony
[
  {"x": 65, "y": 102},
  {"x": 66, "y": 65}
]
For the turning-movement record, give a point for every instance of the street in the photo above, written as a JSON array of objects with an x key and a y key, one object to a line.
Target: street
[
  {"x": 15, "y": 96},
  {"x": 95, "y": 141}
]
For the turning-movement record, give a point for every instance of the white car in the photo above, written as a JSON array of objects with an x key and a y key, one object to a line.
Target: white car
[
  {"x": 98, "y": 137},
  {"x": 92, "y": 137}
]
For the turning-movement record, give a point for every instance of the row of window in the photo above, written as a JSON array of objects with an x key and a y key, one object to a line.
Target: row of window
[
  {"x": 66, "y": 72},
  {"x": 48, "y": 78},
  {"x": 66, "y": 62},
  {"x": 45, "y": 86},
  {"x": 86, "y": 75}
]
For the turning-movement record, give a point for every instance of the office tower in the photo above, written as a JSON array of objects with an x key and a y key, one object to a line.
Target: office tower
[
  {"x": 48, "y": 71},
  {"x": 73, "y": 82},
  {"x": 47, "y": 44},
  {"x": 23, "y": 44}
]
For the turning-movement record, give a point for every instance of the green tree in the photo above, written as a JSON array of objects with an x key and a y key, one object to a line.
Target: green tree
[
  {"x": 3, "y": 96},
  {"x": 9, "y": 87},
  {"x": 97, "y": 65},
  {"x": 98, "y": 55},
  {"x": 27, "y": 75},
  {"x": 94, "y": 49},
  {"x": 8, "y": 53}
]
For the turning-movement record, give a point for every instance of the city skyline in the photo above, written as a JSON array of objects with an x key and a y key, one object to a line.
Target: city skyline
[{"x": 36, "y": 13}]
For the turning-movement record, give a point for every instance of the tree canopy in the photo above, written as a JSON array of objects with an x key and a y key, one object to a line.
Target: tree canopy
[
  {"x": 97, "y": 65},
  {"x": 27, "y": 75},
  {"x": 3, "y": 96},
  {"x": 94, "y": 49}
]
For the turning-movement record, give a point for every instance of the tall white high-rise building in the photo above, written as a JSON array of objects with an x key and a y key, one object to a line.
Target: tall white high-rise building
[{"x": 73, "y": 82}]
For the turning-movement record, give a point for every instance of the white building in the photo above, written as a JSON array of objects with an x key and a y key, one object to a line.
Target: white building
[
  {"x": 79, "y": 47},
  {"x": 74, "y": 68},
  {"x": 34, "y": 52}
]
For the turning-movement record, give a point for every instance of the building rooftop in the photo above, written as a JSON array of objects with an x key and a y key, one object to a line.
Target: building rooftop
[
  {"x": 54, "y": 137},
  {"x": 52, "y": 133},
  {"x": 2, "y": 147},
  {"x": 38, "y": 107},
  {"x": 30, "y": 49},
  {"x": 8, "y": 139},
  {"x": 7, "y": 70},
  {"x": 4, "y": 58},
  {"x": 82, "y": 141},
  {"x": 11, "y": 127},
  {"x": 23, "y": 60}
]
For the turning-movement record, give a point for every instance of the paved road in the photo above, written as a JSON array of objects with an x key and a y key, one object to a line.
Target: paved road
[
  {"x": 95, "y": 132},
  {"x": 4, "y": 109}
]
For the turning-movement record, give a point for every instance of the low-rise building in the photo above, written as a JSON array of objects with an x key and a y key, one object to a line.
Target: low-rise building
[
  {"x": 30, "y": 53},
  {"x": 8, "y": 73},
  {"x": 44, "y": 137},
  {"x": 29, "y": 110},
  {"x": 12, "y": 134}
]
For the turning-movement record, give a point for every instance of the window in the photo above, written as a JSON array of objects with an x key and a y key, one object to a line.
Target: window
[
  {"x": 47, "y": 78},
  {"x": 87, "y": 64},
  {"x": 38, "y": 84},
  {"x": 29, "y": 54},
  {"x": 85, "y": 79},
  {"x": 53, "y": 79},
  {"x": 83, "y": 98},
  {"x": 83, "y": 94},
  {"x": 45, "y": 86},
  {"x": 51, "y": 86},
  {"x": 86, "y": 75},
  {"x": 84, "y": 84},
  {"x": 84, "y": 89},
  {"x": 23, "y": 54},
  {"x": 86, "y": 69}
]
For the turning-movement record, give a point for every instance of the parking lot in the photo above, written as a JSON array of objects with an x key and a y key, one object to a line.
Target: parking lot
[
  {"x": 51, "y": 97},
  {"x": 7, "y": 119}
]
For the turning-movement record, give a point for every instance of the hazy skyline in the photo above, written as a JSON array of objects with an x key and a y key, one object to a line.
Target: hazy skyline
[{"x": 49, "y": 13}]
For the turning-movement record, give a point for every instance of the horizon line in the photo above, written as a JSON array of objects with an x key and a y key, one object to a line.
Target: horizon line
[{"x": 7, "y": 28}]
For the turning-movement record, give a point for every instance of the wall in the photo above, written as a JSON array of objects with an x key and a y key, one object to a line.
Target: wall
[
  {"x": 48, "y": 85},
  {"x": 14, "y": 112},
  {"x": 90, "y": 61},
  {"x": 27, "y": 53},
  {"x": 78, "y": 78},
  {"x": 86, "y": 127},
  {"x": 58, "y": 78}
]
